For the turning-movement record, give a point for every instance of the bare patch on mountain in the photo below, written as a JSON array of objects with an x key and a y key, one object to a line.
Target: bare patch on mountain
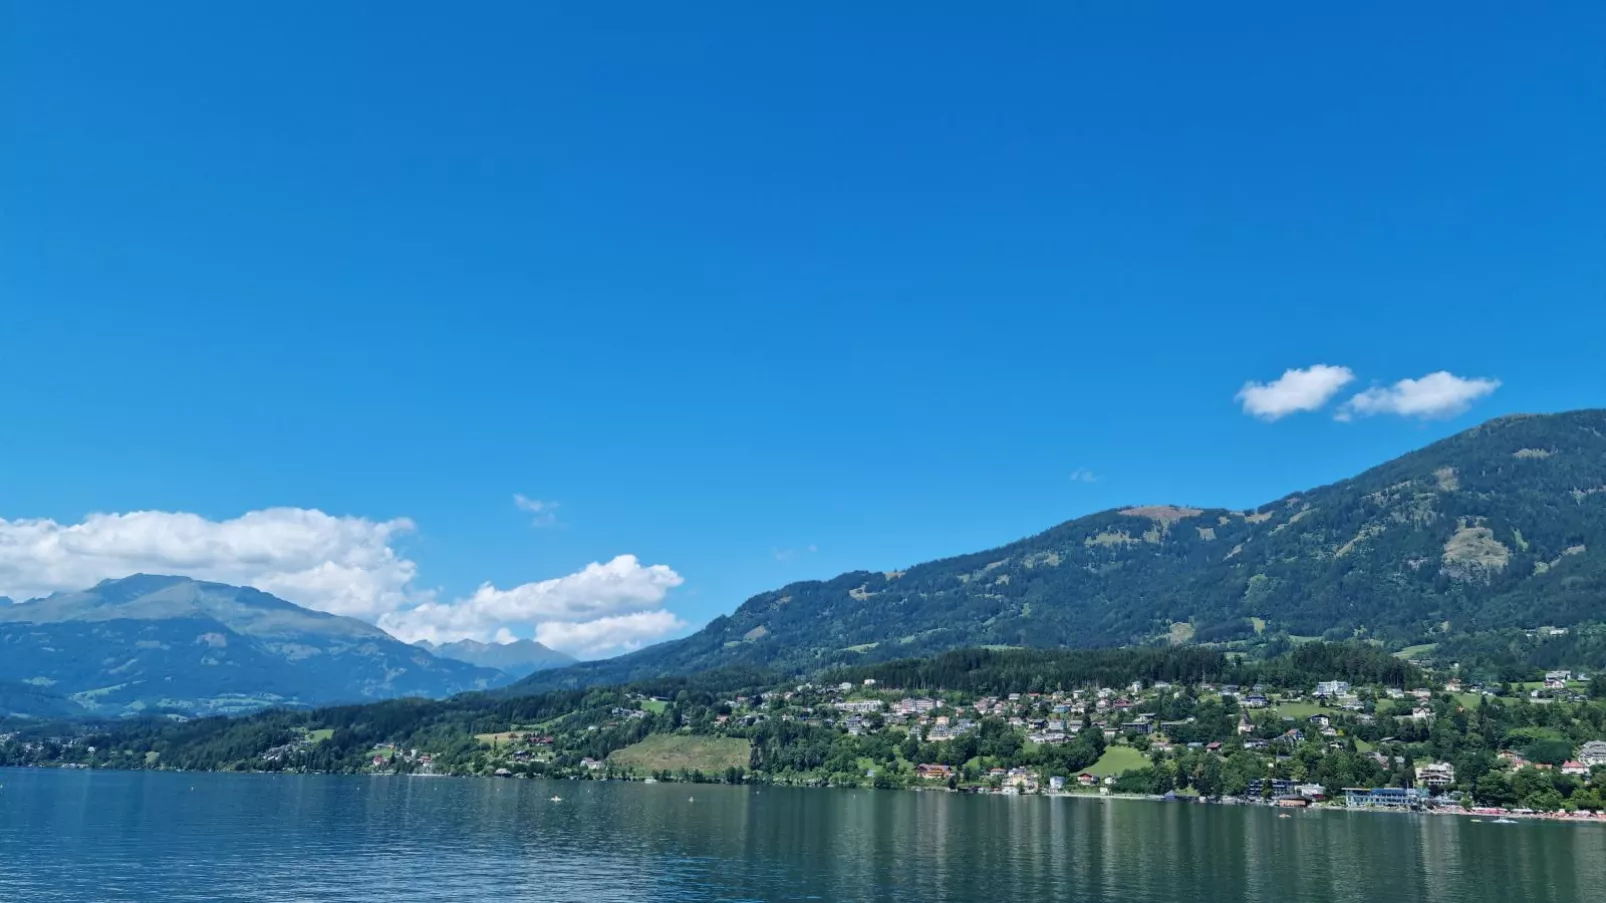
[
  {"x": 1165, "y": 514},
  {"x": 1365, "y": 533},
  {"x": 1581, "y": 494},
  {"x": 1541, "y": 567},
  {"x": 1110, "y": 538},
  {"x": 1532, "y": 453},
  {"x": 1206, "y": 533},
  {"x": 1474, "y": 554},
  {"x": 1448, "y": 480},
  {"x": 1298, "y": 516}
]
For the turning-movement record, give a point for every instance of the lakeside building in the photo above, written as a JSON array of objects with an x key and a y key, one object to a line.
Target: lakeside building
[
  {"x": 1382, "y": 798},
  {"x": 1436, "y": 775}
]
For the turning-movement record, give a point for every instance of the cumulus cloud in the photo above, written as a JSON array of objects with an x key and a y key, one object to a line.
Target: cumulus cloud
[
  {"x": 1083, "y": 475},
  {"x": 607, "y": 636},
  {"x": 545, "y": 513},
  {"x": 1440, "y": 394},
  {"x": 599, "y": 595},
  {"x": 344, "y": 565},
  {"x": 1294, "y": 392}
]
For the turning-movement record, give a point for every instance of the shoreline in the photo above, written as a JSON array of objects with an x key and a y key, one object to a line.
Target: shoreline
[{"x": 1484, "y": 814}]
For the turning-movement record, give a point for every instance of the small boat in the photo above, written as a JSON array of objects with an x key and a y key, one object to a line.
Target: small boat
[
  {"x": 557, "y": 799},
  {"x": 1477, "y": 821},
  {"x": 1505, "y": 821},
  {"x": 1285, "y": 815},
  {"x": 691, "y": 799}
]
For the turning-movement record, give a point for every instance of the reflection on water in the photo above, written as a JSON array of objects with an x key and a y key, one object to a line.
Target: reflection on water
[{"x": 181, "y": 837}]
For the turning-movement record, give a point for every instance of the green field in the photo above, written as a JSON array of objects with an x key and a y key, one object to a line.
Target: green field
[
  {"x": 1414, "y": 651},
  {"x": 1304, "y": 709},
  {"x": 321, "y": 734},
  {"x": 682, "y": 752},
  {"x": 1117, "y": 759},
  {"x": 502, "y": 738},
  {"x": 655, "y": 706}
]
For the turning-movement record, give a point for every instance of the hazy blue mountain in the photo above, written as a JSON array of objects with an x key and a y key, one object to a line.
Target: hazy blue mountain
[
  {"x": 29, "y": 701},
  {"x": 147, "y": 642},
  {"x": 1499, "y": 527},
  {"x": 516, "y": 659}
]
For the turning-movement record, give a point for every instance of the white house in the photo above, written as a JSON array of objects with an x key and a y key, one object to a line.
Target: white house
[{"x": 1436, "y": 775}]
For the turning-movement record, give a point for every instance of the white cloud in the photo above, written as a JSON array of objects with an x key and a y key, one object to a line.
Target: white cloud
[
  {"x": 585, "y": 605},
  {"x": 1295, "y": 391},
  {"x": 546, "y": 513},
  {"x": 1083, "y": 475},
  {"x": 789, "y": 554},
  {"x": 344, "y": 565},
  {"x": 608, "y": 636},
  {"x": 1440, "y": 394}
]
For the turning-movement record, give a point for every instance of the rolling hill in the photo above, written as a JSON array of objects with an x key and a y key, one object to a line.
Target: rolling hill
[
  {"x": 151, "y": 643},
  {"x": 1501, "y": 526}
]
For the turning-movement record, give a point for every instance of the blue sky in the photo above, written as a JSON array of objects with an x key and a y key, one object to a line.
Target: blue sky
[{"x": 753, "y": 295}]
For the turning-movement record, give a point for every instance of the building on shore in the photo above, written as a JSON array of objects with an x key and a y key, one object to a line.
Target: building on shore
[
  {"x": 1435, "y": 776},
  {"x": 1382, "y": 798}
]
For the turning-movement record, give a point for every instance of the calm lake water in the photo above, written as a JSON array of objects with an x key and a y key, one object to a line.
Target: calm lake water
[{"x": 109, "y": 836}]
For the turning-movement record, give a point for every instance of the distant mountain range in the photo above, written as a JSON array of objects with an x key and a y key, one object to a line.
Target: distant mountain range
[
  {"x": 170, "y": 644},
  {"x": 518, "y": 658},
  {"x": 1501, "y": 526}
]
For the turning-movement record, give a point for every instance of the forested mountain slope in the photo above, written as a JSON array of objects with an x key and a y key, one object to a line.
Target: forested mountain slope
[{"x": 1501, "y": 526}]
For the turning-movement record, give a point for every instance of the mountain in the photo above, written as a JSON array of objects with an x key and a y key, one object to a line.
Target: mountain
[
  {"x": 29, "y": 701},
  {"x": 1501, "y": 526},
  {"x": 147, "y": 643},
  {"x": 517, "y": 659}
]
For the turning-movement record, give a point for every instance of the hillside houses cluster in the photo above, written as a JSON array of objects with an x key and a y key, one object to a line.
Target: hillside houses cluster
[{"x": 1273, "y": 722}]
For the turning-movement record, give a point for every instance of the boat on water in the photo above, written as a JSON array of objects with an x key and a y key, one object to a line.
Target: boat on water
[
  {"x": 557, "y": 799},
  {"x": 1505, "y": 821}
]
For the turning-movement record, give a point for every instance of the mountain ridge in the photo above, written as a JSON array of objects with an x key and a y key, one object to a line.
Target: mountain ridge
[
  {"x": 517, "y": 659},
  {"x": 173, "y": 644},
  {"x": 1498, "y": 524}
]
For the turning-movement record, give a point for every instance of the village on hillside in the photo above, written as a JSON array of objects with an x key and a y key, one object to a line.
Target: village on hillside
[{"x": 1331, "y": 744}]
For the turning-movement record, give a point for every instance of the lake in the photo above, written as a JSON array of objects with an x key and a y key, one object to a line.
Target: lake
[{"x": 117, "y": 836}]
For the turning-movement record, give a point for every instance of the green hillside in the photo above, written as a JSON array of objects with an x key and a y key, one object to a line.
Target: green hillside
[{"x": 1500, "y": 527}]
